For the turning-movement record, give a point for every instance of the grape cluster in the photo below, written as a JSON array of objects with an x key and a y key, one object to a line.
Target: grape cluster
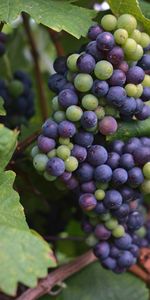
[
  {"x": 106, "y": 81},
  {"x": 18, "y": 99}
]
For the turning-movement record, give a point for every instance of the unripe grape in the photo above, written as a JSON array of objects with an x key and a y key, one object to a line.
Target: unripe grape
[
  {"x": 72, "y": 62},
  {"x": 129, "y": 46},
  {"x": 103, "y": 70},
  {"x": 145, "y": 39},
  {"x": 109, "y": 22},
  {"x": 74, "y": 113},
  {"x": 118, "y": 231},
  {"x": 120, "y": 36},
  {"x": 146, "y": 170},
  {"x": 146, "y": 81},
  {"x": 63, "y": 152},
  {"x": 127, "y": 22},
  {"x": 99, "y": 194},
  {"x": 136, "y": 35},
  {"x": 145, "y": 187},
  {"x": 64, "y": 141},
  {"x": 111, "y": 224},
  {"x": 83, "y": 82},
  {"x": 35, "y": 150},
  {"x": 49, "y": 177},
  {"x": 131, "y": 89},
  {"x": 59, "y": 116},
  {"x": 51, "y": 153},
  {"x": 40, "y": 162},
  {"x": 89, "y": 102},
  {"x": 71, "y": 164}
]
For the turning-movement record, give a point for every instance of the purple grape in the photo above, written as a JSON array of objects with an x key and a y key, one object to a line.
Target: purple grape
[
  {"x": 135, "y": 177},
  {"x": 124, "y": 242},
  {"x": 84, "y": 139},
  {"x": 123, "y": 66},
  {"x": 55, "y": 166},
  {"x": 50, "y": 128},
  {"x": 117, "y": 146},
  {"x": 69, "y": 86},
  {"x": 144, "y": 62},
  {"x": 132, "y": 144},
  {"x": 144, "y": 114},
  {"x": 60, "y": 64},
  {"x": 79, "y": 152},
  {"x": 94, "y": 31},
  {"x": 135, "y": 75},
  {"x": 97, "y": 155},
  {"x": 101, "y": 232},
  {"x": 86, "y": 63},
  {"x": 46, "y": 144},
  {"x": 87, "y": 227},
  {"x": 114, "y": 251},
  {"x": 109, "y": 263},
  {"x": 134, "y": 249},
  {"x": 67, "y": 98},
  {"x": 100, "y": 208},
  {"x": 92, "y": 49},
  {"x": 65, "y": 176},
  {"x": 88, "y": 187},
  {"x": 105, "y": 41},
  {"x": 145, "y": 141},
  {"x": 56, "y": 82},
  {"x": 66, "y": 129},
  {"x": 122, "y": 211},
  {"x": 125, "y": 259},
  {"x": 113, "y": 160},
  {"x": 135, "y": 220},
  {"x": 102, "y": 250},
  {"x": 146, "y": 94},
  {"x": 108, "y": 125},
  {"x": 128, "y": 107},
  {"x": 119, "y": 176},
  {"x": 88, "y": 119},
  {"x": 85, "y": 172},
  {"x": 139, "y": 106},
  {"x": 72, "y": 183},
  {"x": 113, "y": 199},
  {"x": 118, "y": 78},
  {"x": 103, "y": 173},
  {"x": 100, "y": 88},
  {"x": 116, "y": 96},
  {"x": 116, "y": 56},
  {"x": 87, "y": 201},
  {"x": 142, "y": 155},
  {"x": 127, "y": 161}
]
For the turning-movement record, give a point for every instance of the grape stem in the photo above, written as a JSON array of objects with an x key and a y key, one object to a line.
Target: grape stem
[
  {"x": 55, "y": 37},
  {"x": 27, "y": 142},
  {"x": 45, "y": 285},
  {"x": 35, "y": 55}
]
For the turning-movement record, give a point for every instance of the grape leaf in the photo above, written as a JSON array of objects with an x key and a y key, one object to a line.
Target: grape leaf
[
  {"x": 95, "y": 283},
  {"x": 145, "y": 5},
  {"x": 130, "y": 7},
  {"x": 8, "y": 141},
  {"x": 2, "y": 110},
  {"x": 130, "y": 129},
  {"x": 56, "y": 14}
]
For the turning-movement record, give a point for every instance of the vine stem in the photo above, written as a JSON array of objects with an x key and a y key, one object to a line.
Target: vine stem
[
  {"x": 35, "y": 55},
  {"x": 45, "y": 285},
  {"x": 55, "y": 37},
  {"x": 27, "y": 142}
]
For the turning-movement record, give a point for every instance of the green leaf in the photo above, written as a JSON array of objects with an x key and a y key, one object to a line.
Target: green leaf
[
  {"x": 145, "y": 7},
  {"x": 131, "y": 7},
  {"x": 24, "y": 256},
  {"x": 56, "y": 14},
  {"x": 130, "y": 129},
  {"x": 95, "y": 283},
  {"x": 2, "y": 110},
  {"x": 8, "y": 141}
]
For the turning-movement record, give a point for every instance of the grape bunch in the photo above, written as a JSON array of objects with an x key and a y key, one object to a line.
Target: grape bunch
[
  {"x": 18, "y": 99},
  {"x": 106, "y": 81}
]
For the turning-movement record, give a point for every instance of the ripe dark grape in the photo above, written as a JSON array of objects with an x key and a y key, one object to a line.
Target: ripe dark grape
[
  {"x": 144, "y": 62},
  {"x": 105, "y": 41},
  {"x": 100, "y": 88},
  {"x": 146, "y": 94},
  {"x": 101, "y": 232},
  {"x": 116, "y": 56},
  {"x": 85, "y": 172},
  {"x": 102, "y": 250},
  {"x": 117, "y": 146},
  {"x": 108, "y": 126},
  {"x": 55, "y": 166},
  {"x": 118, "y": 78},
  {"x": 94, "y": 31},
  {"x": 92, "y": 49},
  {"x": 86, "y": 63},
  {"x": 124, "y": 243},
  {"x": 135, "y": 220},
  {"x": 66, "y": 129},
  {"x": 125, "y": 259},
  {"x": 50, "y": 128},
  {"x": 119, "y": 176},
  {"x": 103, "y": 173},
  {"x": 88, "y": 119},
  {"x": 79, "y": 152},
  {"x": 46, "y": 144},
  {"x": 84, "y": 139},
  {"x": 87, "y": 201},
  {"x": 127, "y": 161},
  {"x": 116, "y": 96},
  {"x": 88, "y": 187},
  {"x": 97, "y": 155},
  {"x": 56, "y": 82},
  {"x": 135, "y": 176},
  {"x": 113, "y": 160},
  {"x": 60, "y": 65},
  {"x": 135, "y": 75},
  {"x": 113, "y": 199},
  {"x": 67, "y": 98}
]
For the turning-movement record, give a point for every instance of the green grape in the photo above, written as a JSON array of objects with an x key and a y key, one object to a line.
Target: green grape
[
  {"x": 103, "y": 70},
  {"x": 64, "y": 141},
  {"x": 15, "y": 88},
  {"x": 111, "y": 111},
  {"x": 105, "y": 217},
  {"x": 59, "y": 116},
  {"x": 99, "y": 194},
  {"x": 51, "y": 153},
  {"x": 49, "y": 177},
  {"x": 120, "y": 36},
  {"x": 118, "y": 231},
  {"x": 146, "y": 81},
  {"x": 83, "y": 82},
  {"x": 111, "y": 224},
  {"x": 55, "y": 104},
  {"x": 141, "y": 232},
  {"x": 137, "y": 54},
  {"x": 102, "y": 186},
  {"x": 35, "y": 150},
  {"x": 74, "y": 113},
  {"x": 40, "y": 162},
  {"x": 109, "y": 22},
  {"x": 129, "y": 47},
  {"x": 139, "y": 91},
  {"x": 136, "y": 35},
  {"x": 127, "y": 22},
  {"x": 131, "y": 89},
  {"x": 70, "y": 146},
  {"x": 100, "y": 112},
  {"x": 71, "y": 164},
  {"x": 93, "y": 129},
  {"x": 145, "y": 187},
  {"x": 89, "y": 102},
  {"x": 72, "y": 62},
  {"x": 63, "y": 152},
  {"x": 145, "y": 39},
  {"x": 146, "y": 170}
]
